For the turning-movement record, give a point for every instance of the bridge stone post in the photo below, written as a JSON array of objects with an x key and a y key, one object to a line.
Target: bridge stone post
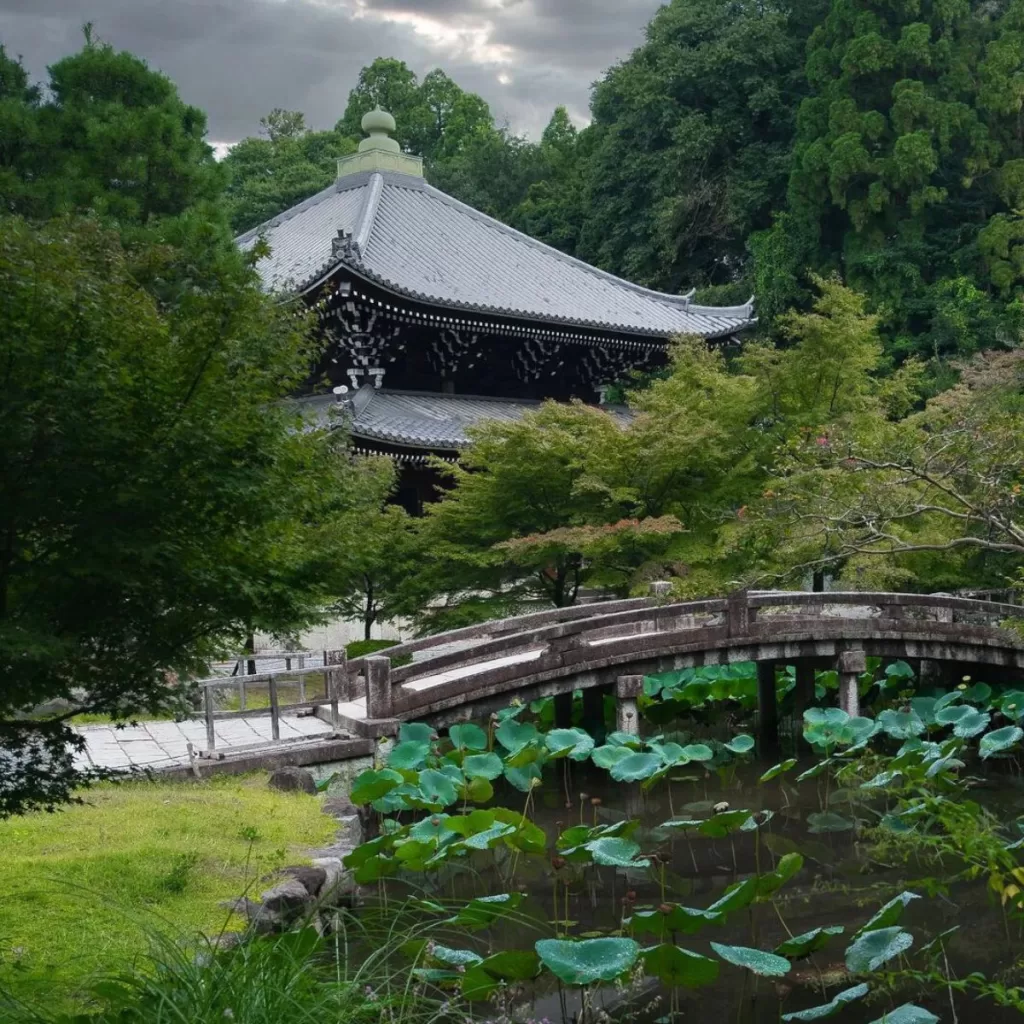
[
  {"x": 767, "y": 710},
  {"x": 851, "y": 665},
  {"x": 378, "y": 688},
  {"x": 738, "y": 614},
  {"x": 627, "y": 716}
]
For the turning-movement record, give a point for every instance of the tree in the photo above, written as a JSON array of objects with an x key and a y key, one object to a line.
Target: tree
[
  {"x": 907, "y": 171},
  {"x": 156, "y": 498},
  {"x": 934, "y": 497},
  {"x": 693, "y": 139},
  {"x": 371, "y": 581},
  {"x": 269, "y": 175},
  {"x": 114, "y": 138},
  {"x": 19, "y": 131},
  {"x": 530, "y": 516}
]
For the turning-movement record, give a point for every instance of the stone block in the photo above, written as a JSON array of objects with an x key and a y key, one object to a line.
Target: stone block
[{"x": 292, "y": 780}]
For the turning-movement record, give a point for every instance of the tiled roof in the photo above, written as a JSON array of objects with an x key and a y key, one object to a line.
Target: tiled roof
[
  {"x": 416, "y": 241},
  {"x": 421, "y": 419}
]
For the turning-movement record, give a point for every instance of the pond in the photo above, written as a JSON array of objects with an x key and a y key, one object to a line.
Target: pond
[{"x": 718, "y": 887}]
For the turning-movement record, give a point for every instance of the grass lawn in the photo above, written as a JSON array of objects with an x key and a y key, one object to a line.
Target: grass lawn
[{"x": 82, "y": 890}]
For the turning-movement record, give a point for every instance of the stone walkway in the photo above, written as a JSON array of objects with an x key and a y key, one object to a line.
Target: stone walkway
[{"x": 165, "y": 744}]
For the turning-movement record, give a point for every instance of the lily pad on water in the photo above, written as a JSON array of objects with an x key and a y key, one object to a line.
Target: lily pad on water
[
  {"x": 839, "y": 1000},
  {"x": 574, "y": 743},
  {"x": 809, "y": 942},
  {"x": 768, "y": 965},
  {"x": 636, "y": 767},
  {"x": 483, "y": 766},
  {"x": 877, "y": 947},
  {"x": 584, "y": 961},
  {"x": 467, "y": 736},
  {"x": 999, "y": 740},
  {"x": 675, "y": 966}
]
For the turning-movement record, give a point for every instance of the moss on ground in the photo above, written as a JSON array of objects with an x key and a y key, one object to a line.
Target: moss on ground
[{"x": 84, "y": 889}]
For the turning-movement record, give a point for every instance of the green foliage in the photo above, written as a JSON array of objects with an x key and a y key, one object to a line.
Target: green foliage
[
  {"x": 159, "y": 503},
  {"x": 757, "y": 961},
  {"x": 584, "y": 961}
]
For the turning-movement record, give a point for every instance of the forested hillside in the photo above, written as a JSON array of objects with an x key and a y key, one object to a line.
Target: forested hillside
[{"x": 740, "y": 147}]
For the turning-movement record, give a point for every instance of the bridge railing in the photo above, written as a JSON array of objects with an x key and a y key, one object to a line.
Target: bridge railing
[{"x": 530, "y": 645}]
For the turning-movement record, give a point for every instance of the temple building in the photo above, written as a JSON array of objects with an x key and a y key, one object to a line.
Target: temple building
[{"x": 439, "y": 317}]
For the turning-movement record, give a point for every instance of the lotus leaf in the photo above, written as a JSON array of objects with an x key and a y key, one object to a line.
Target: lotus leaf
[
  {"x": 415, "y": 732},
  {"x": 513, "y": 735},
  {"x": 871, "y": 949},
  {"x": 409, "y": 755},
  {"x": 523, "y": 778},
  {"x": 768, "y": 965},
  {"x": 455, "y": 957},
  {"x": 827, "y": 821},
  {"x": 839, "y": 1000},
  {"x": 371, "y": 785},
  {"x": 467, "y": 736},
  {"x": 741, "y": 744},
  {"x": 908, "y": 1013},
  {"x": 610, "y": 755},
  {"x": 674, "y": 966},
  {"x": 635, "y": 767},
  {"x": 437, "y": 788},
  {"x": 900, "y": 725},
  {"x": 999, "y": 740},
  {"x": 807, "y": 943},
  {"x": 483, "y": 766},
  {"x": 779, "y": 769},
  {"x": 620, "y": 853},
  {"x": 584, "y": 961},
  {"x": 484, "y": 910},
  {"x": 575, "y": 743}
]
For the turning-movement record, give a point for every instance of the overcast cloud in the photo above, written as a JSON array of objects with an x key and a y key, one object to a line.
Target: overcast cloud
[{"x": 238, "y": 59}]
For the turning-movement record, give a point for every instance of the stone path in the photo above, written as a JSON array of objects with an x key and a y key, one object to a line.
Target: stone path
[{"x": 165, "y": 744}]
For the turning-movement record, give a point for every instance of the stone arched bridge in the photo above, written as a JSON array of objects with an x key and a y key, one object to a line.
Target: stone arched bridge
[{"x": 611, "y": 646}]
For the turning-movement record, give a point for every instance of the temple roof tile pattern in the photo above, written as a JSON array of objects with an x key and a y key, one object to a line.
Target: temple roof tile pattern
[
  {"x": 414, "y": 240},
  {"x": 422, "y": 419}
]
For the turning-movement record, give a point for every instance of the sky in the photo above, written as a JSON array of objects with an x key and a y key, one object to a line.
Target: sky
[{"x": 238, "y": 59}]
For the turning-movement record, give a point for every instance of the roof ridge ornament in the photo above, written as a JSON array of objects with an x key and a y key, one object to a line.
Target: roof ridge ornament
[{"x": 379, "y": 151}]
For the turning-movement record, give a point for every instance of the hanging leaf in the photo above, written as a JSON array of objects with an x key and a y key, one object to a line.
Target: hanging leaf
[
  {"x": 741, "y": 744},
  {"x": 839, "y": 1000},
  {"x": 809, "y": 942},
  {"x": 409, "y": 755},
  {"x": 779, "y": 769},
  {"x": 371, "y": 785},
  {"x": 768, "y": 965},
  {"x": 672, "y": 919},
  {"x": 827, "y": 821},
  {"x": 877, "y": 947},
  {"x": 999, "y": 740},
  {"x": 678, "y": 967},
  {"x": 467, "y": 736},
  {"x": 584, "y": 961},
  {"x": 574, "y": 743},
  {"x": 483, "y": 766},
  {"x": 907, "y": 1014},
  {"x": 635, "y": 767},
  {"x": 415, "y": 732}
]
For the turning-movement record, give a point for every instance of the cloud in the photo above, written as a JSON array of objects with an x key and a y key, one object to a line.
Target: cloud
[{"x": 238, "y": 59}]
